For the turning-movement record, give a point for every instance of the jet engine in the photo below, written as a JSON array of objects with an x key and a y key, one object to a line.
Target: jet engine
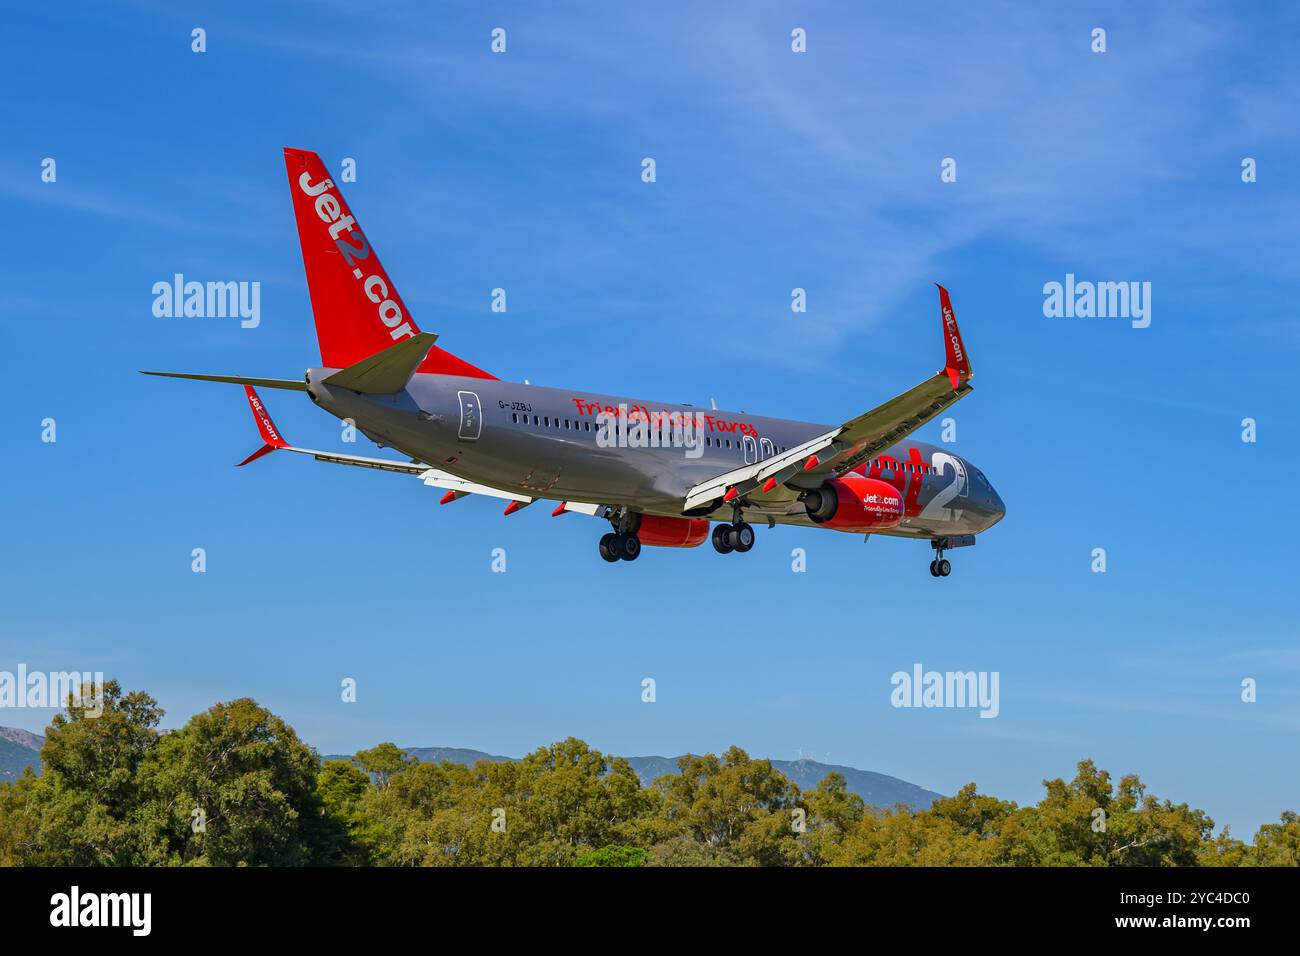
[
  {"x": 662, "y": 532},
  {"x": 855, "y": 503}
]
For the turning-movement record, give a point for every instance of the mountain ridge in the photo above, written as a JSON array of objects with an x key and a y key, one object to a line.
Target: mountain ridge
[
  {"x": 20, "y": 749},
  {"x": 877, "y": 789}
]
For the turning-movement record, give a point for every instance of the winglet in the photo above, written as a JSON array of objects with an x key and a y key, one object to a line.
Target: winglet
[
  {"x": 265, "y": 427},
  {"x": 957, "y": 364}
]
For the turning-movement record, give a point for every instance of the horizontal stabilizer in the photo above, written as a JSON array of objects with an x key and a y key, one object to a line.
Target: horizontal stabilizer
[
  {"x": 386, "y": 372},
  {"x": 285, "y": 383}
]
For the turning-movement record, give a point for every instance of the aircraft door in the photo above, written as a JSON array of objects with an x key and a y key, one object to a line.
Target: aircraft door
[
  {"x": 751, "y": 450},
  {"x": 471, "y": 416}
]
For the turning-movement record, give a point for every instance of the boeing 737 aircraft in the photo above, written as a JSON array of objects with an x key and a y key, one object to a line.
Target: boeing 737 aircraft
[{"x": 658, "y": 472}]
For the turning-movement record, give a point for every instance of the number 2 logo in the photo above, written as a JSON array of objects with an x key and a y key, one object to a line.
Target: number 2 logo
[{"x": 937, "y": 508}]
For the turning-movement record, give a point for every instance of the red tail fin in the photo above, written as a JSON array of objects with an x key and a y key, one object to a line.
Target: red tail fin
[{"x": 357, "y": 307}]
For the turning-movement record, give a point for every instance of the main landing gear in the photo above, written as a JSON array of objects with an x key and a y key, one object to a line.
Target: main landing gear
[
  {"x": 622, "y": 544},
  {"x": 620, "y": 547},
  {"x": 737, "y": 536}
]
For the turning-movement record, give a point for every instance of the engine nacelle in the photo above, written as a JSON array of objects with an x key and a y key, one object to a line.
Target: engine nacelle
[
  {"x": 662, "y": 532},
  {"x": 855, "y": 503}
]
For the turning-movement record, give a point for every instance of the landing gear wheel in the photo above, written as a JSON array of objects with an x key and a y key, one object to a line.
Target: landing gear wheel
[
  {"x": 608, "y": 547},
  {"x": 945, "y": 568},
  {"x": 720, "y": 542},
  {"x": 934, "y": 569},
  {"x": 741, "y": 537},
  {"x": 629, "y": 547}
]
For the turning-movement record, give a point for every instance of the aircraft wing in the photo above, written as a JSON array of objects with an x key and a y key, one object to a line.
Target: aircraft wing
[
  {"x": 857, "y": 440},
  {"x": 748, "y": 478}
]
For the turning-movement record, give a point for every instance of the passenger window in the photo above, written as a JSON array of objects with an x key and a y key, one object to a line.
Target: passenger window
[
  {"x": 534, "y": 419},
  {"x": 514, "y": 417}
]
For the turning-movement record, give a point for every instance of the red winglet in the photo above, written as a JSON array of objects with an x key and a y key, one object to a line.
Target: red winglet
[
  {"x": 957, "y": 364},
  {"x": 271, "y": 436}
]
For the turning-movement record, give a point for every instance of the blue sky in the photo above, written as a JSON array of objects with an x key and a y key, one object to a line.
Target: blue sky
[{"x": 774, "y": 170}]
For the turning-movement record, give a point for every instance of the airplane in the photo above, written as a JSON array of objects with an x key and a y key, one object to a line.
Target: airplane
[{"x": 661, "y": 473}]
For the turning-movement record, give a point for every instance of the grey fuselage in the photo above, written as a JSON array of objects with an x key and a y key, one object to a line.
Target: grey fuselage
[{"x": 549, "y": 443}]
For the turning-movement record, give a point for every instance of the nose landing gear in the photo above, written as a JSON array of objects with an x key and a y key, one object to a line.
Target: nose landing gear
[{"x": 940, "y": 568}]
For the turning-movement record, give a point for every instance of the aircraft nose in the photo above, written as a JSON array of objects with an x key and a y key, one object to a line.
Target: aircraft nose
[{"x": 996, "y": 507}]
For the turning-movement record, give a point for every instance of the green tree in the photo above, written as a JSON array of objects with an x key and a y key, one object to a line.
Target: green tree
[
  {"x": 833, "y": 812},
  {"x": 383, "y": 762},
  {"x": 614, "y": 855},
  {"x": 235, "y": 786},
  {"x": 1131, "y": 829},
  {"x": 340, "y": 788},
  {"x": 738, "y": 806},
  {"x": 548, "y": 809},
  {"x": 20, "y": 820},
  {"x": 83, "y": 804},
  {"x": 1278, "y": 844}
]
